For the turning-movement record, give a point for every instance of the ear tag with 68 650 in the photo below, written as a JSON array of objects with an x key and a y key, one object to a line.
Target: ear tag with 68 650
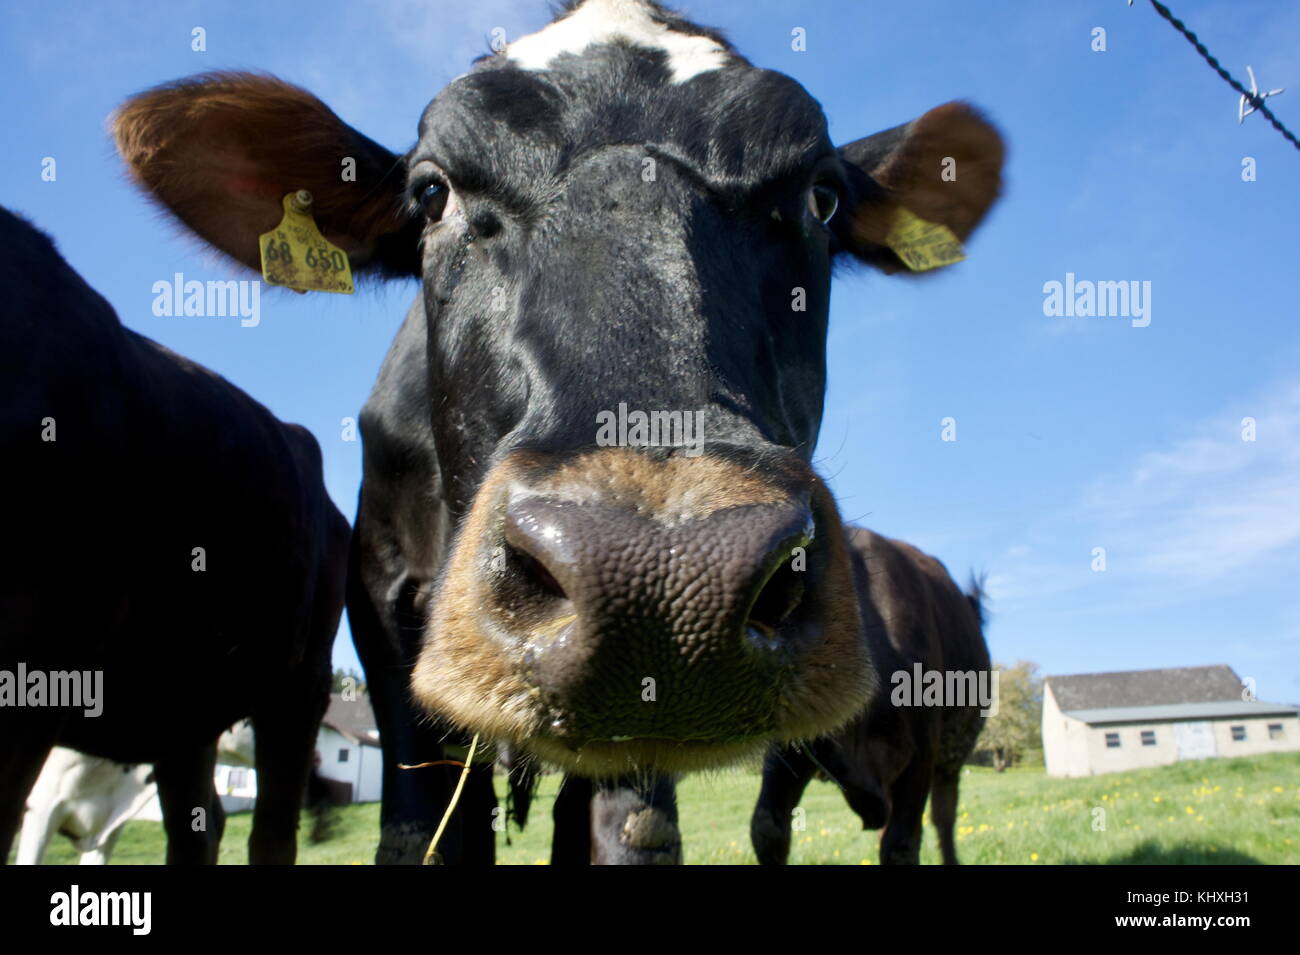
[{"x": 297, "y": 256}]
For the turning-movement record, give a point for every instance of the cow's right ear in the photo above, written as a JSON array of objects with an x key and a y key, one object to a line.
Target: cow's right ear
[
  {"x": 944, "y": 168},
  {"x": 221, "y": 150}
]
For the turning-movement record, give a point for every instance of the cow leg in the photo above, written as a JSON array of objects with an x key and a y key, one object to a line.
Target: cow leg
[
  {"x": 900, "y": 842},
  {"x": 943, "y": 810},
  {"x": 192, "y": 815},
  {"x": 634, "y": 822},
  {"x": 616, "y": 822},
  {"x": 26, "y": 739},
  {"x": 39, "y": 825},
  {"x": 571, "y": 838},
  {"x": 27, "y": 735},
  {"x": 99, "y": 853},
  {"x": 477, "y": 812},
  {"x": 786, "y": 773},
  {"x": 470, "y": 836},
  {"x": 412, "y": 800},
  {"x": 284, "y": 741}
]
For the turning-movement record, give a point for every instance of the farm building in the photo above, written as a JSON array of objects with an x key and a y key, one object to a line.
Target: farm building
[
  {"x": 1105, "y": 722},
  {"x": 348, "y": 745}
]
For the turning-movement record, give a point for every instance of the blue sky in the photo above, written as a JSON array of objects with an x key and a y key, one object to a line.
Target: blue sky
[{"x": 1072, "y": 433}]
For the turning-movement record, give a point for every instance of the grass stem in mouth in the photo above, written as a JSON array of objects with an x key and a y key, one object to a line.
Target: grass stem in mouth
[{"x": 431, "y": 855}]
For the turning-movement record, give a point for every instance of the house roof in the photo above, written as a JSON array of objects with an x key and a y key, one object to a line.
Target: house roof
[
  {"x": 1146, "y": 688},
  {"x": 1182, "y": 711},
  {"x": 354, "y": 719}
]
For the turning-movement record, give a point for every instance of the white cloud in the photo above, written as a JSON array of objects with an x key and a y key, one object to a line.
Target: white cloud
[
  {"x": 1210, "y": 503},
  {"x": 1206, "y": 512}
]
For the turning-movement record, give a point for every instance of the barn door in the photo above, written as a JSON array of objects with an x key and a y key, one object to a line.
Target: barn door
[{"x": 1195, "y": 740}]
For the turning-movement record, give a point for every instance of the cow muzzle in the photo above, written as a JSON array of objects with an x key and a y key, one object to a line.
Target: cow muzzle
[{"x": 617, "y": 611}]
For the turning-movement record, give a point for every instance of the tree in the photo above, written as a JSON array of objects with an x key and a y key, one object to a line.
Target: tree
[{"x": 1017, "y": 725}]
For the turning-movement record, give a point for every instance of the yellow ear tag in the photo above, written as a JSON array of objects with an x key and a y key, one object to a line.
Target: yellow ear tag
[
  {"x": 296, "y": 255},
  {"x": 920, "y": 244}
]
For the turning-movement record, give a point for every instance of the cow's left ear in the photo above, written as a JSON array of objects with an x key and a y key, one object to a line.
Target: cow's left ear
[
  {"x": 221, "y": 150},
  {"x": 944, "y": 168}
]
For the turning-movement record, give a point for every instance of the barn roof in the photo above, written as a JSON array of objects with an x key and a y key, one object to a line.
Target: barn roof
[
  {"x": 1142, "y": 688},
  {"x": 1182, "y": 711},
  {"x": 354, "y": 719}
]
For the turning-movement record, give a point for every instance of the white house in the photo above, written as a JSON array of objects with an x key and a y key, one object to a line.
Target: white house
[
  {"x": 348, "y": 745},
  {"x": 1106, "y": 722}
]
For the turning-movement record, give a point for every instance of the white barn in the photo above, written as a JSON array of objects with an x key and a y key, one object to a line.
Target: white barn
[
  {"x": 1107, "y": 722},
  {"x": 348, "y": 745}
]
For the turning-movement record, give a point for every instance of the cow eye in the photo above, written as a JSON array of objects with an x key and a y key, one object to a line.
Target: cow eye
[
  {"x": 823, "y": 200},
  {"x": 433, "y": 200}
]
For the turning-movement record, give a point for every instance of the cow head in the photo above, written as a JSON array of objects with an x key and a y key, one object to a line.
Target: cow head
[{"x": 625, "y": 235}]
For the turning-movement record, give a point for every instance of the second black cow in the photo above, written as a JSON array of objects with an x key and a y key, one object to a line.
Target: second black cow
[
  {"x": 169, "y": 549},
  {"x": 910, "y": 742}
]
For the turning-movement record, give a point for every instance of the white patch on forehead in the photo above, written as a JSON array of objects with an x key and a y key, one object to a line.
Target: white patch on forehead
[{"x": 602, "y": 21}]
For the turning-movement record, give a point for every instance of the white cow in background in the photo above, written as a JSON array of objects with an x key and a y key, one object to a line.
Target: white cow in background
[
  {"x": 235, "y": 746},
  {"x": 86, "y": 798},
  {"x": 90, "y": 799}
]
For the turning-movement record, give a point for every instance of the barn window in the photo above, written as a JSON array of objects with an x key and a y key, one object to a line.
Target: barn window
[
  {"x": 343, "y": 756},
  {"x": 1275, "y": 731},
  {"x": 1148, "y": 737},
  {"x": 1239, "y": 734},
  {"x": 1112, "y": 741}
]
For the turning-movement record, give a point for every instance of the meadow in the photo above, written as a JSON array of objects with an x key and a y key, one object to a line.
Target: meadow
[{"x": 1217, "y": 811}]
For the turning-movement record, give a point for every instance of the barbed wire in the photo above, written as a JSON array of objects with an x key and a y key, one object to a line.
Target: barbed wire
[{"x": 1251, "y": 97}]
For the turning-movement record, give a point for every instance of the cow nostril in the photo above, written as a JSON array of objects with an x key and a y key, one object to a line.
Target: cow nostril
[
  {"x": 535, "y": 574},
  {"x": 778, "y": 598}
]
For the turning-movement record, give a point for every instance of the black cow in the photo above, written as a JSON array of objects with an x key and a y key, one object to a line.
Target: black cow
[
  {"x": 615, "y": 217},
  {"x": 894, "y": 753},
  {"x": 167, "y": 531}
]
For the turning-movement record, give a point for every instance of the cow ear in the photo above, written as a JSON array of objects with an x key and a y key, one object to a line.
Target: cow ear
[
  {"x": 221, "y": 150},
  {"x": 944, "y": 168}
]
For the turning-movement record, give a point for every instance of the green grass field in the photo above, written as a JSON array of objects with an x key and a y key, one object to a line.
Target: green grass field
[{"x": 1218, "y": 811}]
